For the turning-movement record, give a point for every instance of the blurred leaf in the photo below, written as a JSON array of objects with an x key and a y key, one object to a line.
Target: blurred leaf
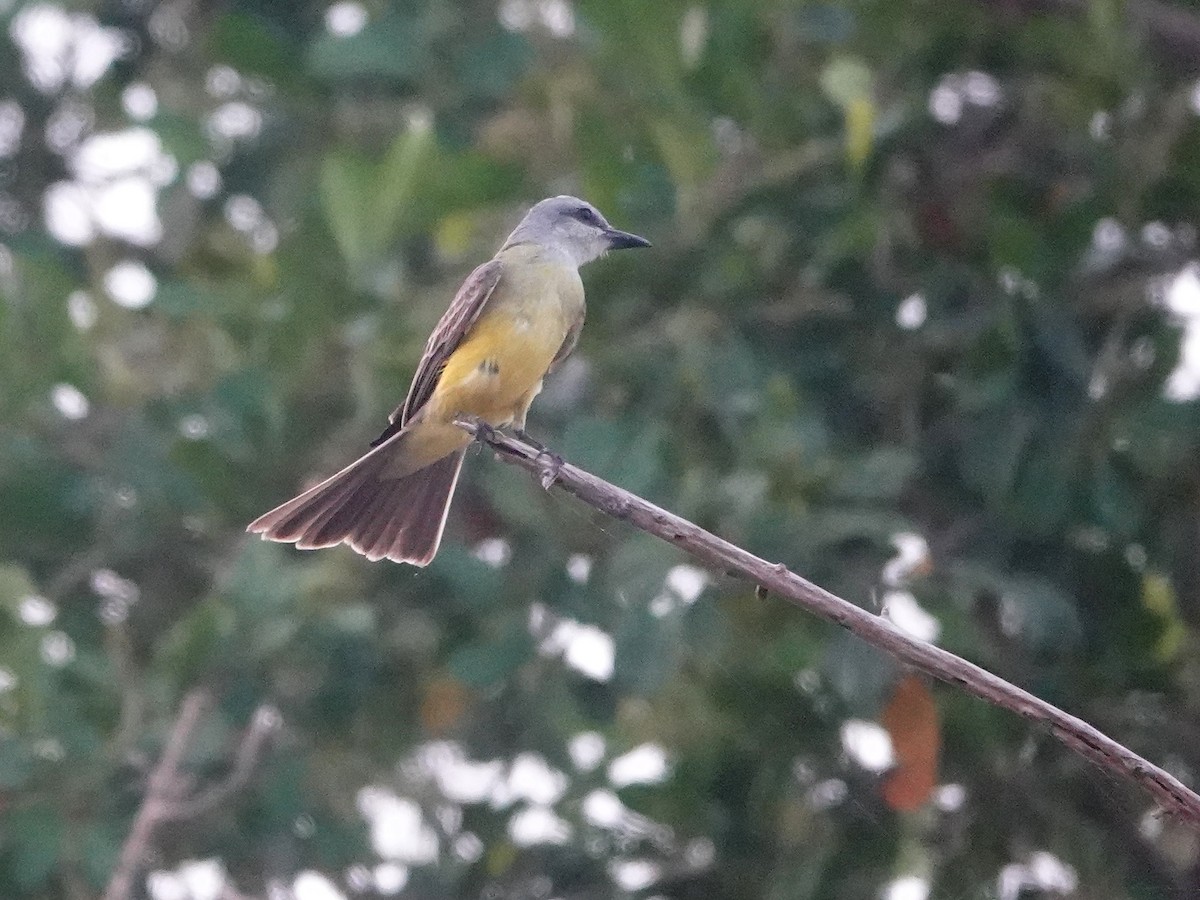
[
  {"x": 912, "y": 721},
  {"x": 1043, "y": 495},
  {"x": 187, "y": 298},
  {"x": 687, "y": 150},
  {"x": 16, "y": 763},
  {"x": 490, "y": 68},
  {"x": 182, "y": 137},
  {"x": 860, "y": 131},
  {"x": 1117, "y": 504},
  {"x": 473, "y": 584},
  {"x": 727, "y": 375},
  {"x": 261, "y": 585},
  {"x": 197, "y": 641},
  {"x": 33, "y": 841},
  {"x": 846, "y": 79},
  {"x": 45, "y": 501},
  {"x": 826, "y": 22},
  {"x": 861, "y": 675},
  {"x": 101, "y": 847},
  {"x": 626, "y": 452},
  {"x": 1158, "y": 596},
  {"x": 1041, "y": 616},
  {"x": 880, "y": 475},
  {"x": 15, "y": 586},
  {"x": 365, "y": 201},
  {"x": 992, "y": 452},
  {"x": 1158, "y": 433},
  {"x": 461, "y": 182},
  {"x": 393, "y": 48},
  {"x": 1058, "y": 343},
  {"x": 636, "y": 571},
  {"x": 246, "y": 44},
  {"x": 1016, "y": 242},
  {"x": 444, "y": 703},
  {"x": 487, "y": 663},
  {"x": 649, "y": 646},
  {"x": 353, "y": 618},
  {"x": 837, "y": 524}
]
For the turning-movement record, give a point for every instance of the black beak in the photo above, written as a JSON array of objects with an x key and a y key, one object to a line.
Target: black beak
[{"x": 622, "y": 240}]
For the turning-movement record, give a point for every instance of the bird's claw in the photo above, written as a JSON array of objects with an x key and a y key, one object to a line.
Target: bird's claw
[
  {"x": 523, "y": 435},
  {"x": 548, "y": 462},
  {"x": 549, "y": 467},
  {"x": 480, "y": 429}
]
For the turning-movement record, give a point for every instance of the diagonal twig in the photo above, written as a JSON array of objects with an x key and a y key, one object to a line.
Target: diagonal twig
[
  {"x": 167, "y": 799},
  {"x": 161, "y": 791},
  {"x": 245, "y": 761},
  {"x": 1170, "y": 793}
]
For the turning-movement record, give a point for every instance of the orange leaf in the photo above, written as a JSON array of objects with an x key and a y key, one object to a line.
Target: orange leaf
[
  {"x": 911, "y": 719},
  {"x": 444, "y": 703}
]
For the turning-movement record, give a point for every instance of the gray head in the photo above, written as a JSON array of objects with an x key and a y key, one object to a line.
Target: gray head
[{"x": 573, "y": 228}]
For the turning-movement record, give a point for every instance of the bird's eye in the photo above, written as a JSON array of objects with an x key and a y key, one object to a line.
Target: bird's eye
[{"x": 587, "y": 215}]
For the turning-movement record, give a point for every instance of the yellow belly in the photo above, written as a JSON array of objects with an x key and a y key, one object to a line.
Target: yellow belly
[{"x": 494, "y": 370}]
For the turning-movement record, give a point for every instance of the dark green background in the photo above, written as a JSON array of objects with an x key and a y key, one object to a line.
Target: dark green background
[{"x": 748, "y": 372}]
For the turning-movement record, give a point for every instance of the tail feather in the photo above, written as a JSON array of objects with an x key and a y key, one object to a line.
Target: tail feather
[
  {"x": 373, "y": 524},
  {"x": 350, "y": 510},
  {"x": 417, "y": 532},
  {"x": 302, "y": 525},
  {"x": 291, "y": 521},
  {"x": 416, "y": 537},
  {"x": 376, "y": 545},
  {"x": 376, "y": 514}
]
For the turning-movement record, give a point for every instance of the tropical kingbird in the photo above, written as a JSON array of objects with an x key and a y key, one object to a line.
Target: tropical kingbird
[{"x": 513, "y": 320}]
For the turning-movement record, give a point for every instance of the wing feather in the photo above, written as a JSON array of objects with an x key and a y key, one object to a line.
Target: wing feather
[
  {"x": 568, "y": 344},
  {"x": 463, "y": 312}
]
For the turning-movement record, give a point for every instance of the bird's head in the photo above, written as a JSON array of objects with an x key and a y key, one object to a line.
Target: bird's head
[{"x": 572, "y": 227}]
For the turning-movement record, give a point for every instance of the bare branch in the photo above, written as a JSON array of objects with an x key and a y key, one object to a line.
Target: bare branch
[
  {"x": 165, "y": 800},
  {"x": 161, "y": 791},
  {"x": 250, "y": 749},
  {"x": 1170, "y": 793}
]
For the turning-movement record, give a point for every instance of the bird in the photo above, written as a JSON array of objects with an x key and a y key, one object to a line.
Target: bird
[{"x": 515, "y": 318}]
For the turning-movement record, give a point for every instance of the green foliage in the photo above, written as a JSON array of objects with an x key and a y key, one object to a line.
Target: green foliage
[
  {"x": 366, "y": 202},
  {"x": 920, "y": 271}
]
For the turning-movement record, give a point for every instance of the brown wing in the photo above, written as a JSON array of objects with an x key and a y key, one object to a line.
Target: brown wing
[
  {"x": 568, "y": 344},
  {"x": 450, "y": 330}
]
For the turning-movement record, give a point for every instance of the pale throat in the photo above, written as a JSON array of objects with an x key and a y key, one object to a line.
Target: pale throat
[
  {"x": 569, "y": 253},
  {"x": 573, "y": 251}
]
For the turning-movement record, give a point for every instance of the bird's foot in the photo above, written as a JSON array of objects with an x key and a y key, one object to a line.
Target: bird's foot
[
  {"x": 549, "y": 463},
  {"x": 481, "y": 430},
  {"x": 523, "y": 435},
  {"x": 549, "y": 467}
]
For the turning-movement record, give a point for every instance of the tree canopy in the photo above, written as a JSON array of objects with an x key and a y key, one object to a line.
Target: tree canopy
[{"x": 921, "y": 321}]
